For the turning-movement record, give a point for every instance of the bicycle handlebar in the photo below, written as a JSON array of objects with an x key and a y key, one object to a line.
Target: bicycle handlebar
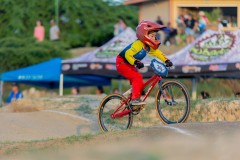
[{"x": 148, "y": 65}]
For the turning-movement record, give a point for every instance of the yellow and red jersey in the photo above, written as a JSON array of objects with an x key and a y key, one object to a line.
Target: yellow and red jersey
[{"x": 136, "y": 51}]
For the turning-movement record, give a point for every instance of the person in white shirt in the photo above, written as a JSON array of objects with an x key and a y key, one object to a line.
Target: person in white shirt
[{"x": 54, "y": 31}]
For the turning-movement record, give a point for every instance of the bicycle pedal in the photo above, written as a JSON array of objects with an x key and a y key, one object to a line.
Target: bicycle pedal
[{"x": 138, "y": 107}]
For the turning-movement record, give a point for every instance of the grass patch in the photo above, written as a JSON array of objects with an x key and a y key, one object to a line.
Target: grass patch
[
  {"x": 74, "y": 138},
  {"x": 11, "y": 150},
  {"x": 41, "y": 145},
  {"x": 85, "y": 109}
]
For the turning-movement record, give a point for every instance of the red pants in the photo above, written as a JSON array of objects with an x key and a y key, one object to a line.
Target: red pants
[{"x": 131, "y": 73}]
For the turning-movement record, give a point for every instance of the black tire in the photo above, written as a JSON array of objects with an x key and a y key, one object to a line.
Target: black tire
[
  {"x": 106, "y": 108},
  {"x": 176, "y": 108}
]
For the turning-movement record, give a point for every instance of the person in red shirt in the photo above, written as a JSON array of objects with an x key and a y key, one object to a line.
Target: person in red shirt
[
  {"x": 39, "y": 31},
  {"x": 130, "y": 58}
]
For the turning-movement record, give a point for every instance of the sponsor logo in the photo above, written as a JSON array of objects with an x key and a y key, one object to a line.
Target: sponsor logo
[
  {"x": 213, "y": 46},
  {"x": 110, "y": 66},
  {"x": 191, "y": 69},
  {"x": 95, "y": 66},
  {"x": 113, "y": 49},
  {"x": 66, "y": 67},
  {"x": 30, "y": 77},
  {"x": 77, "y": 66},
  {"x": 218, "y": 67}
]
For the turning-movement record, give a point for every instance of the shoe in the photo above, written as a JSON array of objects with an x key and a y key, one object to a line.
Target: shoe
[{"x": 137, "y": 102}]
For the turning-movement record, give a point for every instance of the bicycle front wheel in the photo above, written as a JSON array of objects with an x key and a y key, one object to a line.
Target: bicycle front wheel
[
  {"x": 173, "y": 103},
  {"x": 107, "y": 107}
]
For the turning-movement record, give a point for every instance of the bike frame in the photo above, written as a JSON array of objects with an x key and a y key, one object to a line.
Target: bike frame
[{"x": 152, "y": 81}]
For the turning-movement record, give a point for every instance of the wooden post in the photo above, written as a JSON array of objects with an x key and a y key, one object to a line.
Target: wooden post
[
  {"x": 194, "y": 88},
  {"x": 61, "y": 85}
]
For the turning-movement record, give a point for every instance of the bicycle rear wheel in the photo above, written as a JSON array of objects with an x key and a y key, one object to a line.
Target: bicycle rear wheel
[
  {"x": 173, "y": 103},
  {"x": 107, "y": 107}
]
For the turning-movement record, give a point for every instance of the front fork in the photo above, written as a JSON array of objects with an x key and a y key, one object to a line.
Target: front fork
[{"x": 169, "y": 98}]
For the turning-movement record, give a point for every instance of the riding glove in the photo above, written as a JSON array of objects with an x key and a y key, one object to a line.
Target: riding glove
[
  {"x": 139, "y": 64},
  {"x": 168, "y": 63}
]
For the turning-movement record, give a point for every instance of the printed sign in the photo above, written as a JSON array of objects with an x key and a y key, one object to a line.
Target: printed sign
[
  {"x": 213, "y": 46},
  {"x": 218, "y": 67},
  {"x": 191, "y": 69}
]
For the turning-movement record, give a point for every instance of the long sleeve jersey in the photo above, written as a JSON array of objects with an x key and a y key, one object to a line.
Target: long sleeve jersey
[{"x": 135, "y": 51}]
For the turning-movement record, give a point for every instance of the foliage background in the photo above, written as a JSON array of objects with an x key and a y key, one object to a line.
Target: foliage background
[
  {"x": 82, "y": 22},
  {"x": 16, "y": 53}
]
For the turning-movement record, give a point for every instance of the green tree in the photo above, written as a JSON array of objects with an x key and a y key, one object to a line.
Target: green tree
[
  {"x": 16, "y": 53},
  {"x": 81, "y": 22}
]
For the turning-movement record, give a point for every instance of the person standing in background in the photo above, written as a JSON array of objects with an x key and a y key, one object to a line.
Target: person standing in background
[
  {"x": 54, "y": 31},
  {"x": 75, "y": 91},
  {"x": 100, "y": 90},
  {"x": 14, "y": 94},
  {"x": 39, "y": 31},
  {"x": 189, "y": 30},
  {"x": 161, "y": 34},
  {"x": 203, "y": 22},
  {"x": 159, "y": 20},
  {"x": 119, "y": 27}
]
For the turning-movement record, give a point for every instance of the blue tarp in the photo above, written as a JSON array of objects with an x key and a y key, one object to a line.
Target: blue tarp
[{"x": 47, "y": 74}]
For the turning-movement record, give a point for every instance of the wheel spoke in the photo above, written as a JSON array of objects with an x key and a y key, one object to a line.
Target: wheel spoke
[{"x": 174, "y": 106}]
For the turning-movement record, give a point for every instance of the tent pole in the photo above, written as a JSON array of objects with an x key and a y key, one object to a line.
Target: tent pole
[
  {"x": 194, "y": 88},
  {"x": 61, "y": 85},
  {"x": 1, "y": 93}
]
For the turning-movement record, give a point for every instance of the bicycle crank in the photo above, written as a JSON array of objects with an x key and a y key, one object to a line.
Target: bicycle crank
[{"x": 136, "y": 109}]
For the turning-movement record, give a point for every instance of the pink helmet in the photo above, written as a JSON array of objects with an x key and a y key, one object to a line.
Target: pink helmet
[{"x": 143, "y": 29}]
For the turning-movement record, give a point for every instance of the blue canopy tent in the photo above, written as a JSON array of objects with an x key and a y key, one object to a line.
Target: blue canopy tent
[{"x": 47, "y": 74}]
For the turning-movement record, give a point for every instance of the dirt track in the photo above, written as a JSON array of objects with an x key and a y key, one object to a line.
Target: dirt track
[
  {"x": 40, "y": 125},
  {"x": 188, "y": 141},
  {"x": 61, "y": 117},
  {"x": 57, "y": 117}
]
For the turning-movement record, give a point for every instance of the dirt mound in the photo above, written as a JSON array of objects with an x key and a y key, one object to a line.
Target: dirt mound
[
  {"x": 216, "y": 110},
  {"x": 24, "y": 105}
]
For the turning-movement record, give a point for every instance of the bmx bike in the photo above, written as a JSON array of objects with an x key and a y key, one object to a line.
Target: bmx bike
[{"x": 172, "y": 102}]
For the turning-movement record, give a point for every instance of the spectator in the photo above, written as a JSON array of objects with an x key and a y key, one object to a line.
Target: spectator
[
  {"x": 99, "y": 90},
  {"x": 180, "y": 21},
  {"x": 205, "y": 95},
  {"x": 75, "y": 91},
  {"x": 119, "y": 27},
  {"x": 159, "y": 20},
  {"x": 170, "y": 34},
  {"x": 237, "y": 94},
  {"x": 190, "y": 24},
  {"x": 115, "y": 90},
  {"x": 203, "y": 21},
  {"x": 54, "y": 31},
  {"x": 225, "y": 23},
  {"x": 220, "y": 25},
  {"x": 39, "y": 31},
  {"x": 181, "y": 38},
  {"x": 14, "y": 94},
  {"x": 161, "y": 34}
]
